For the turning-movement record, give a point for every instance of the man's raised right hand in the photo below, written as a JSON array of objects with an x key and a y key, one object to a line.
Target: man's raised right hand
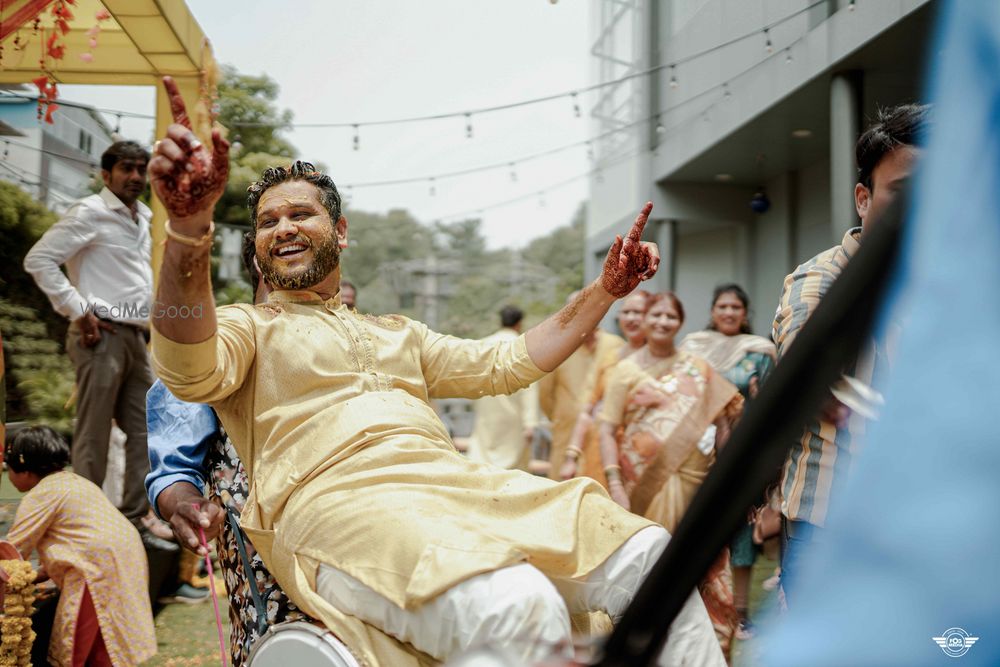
[{"x": 187, "y": 178}]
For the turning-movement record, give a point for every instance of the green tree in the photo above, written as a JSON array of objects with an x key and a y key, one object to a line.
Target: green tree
[
  {"x": 39, "y": 377},
  {"x": 461, "y": 240},
  {"x": 245, "y": 98},
  {"x": 562, "y": 252},
  {"x": 250, "y": 99},
  {"x": 377, "y": 239}
]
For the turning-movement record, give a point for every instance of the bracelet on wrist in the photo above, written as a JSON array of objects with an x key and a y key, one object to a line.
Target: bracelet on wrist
[
  {"x": 191, "y": 241},
  {"x": 613, "y": 473},
  {"x": 575, "y": 452}
]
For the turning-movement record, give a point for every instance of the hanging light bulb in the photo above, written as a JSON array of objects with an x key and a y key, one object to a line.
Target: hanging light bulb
[
  {"x": 726, "y": 93},
  {"x": 513, "y": 173},
  {"x": 576, "y": 105},
  {"x": 660, "y": 129},
  {"x": 673, "y": 76},
  {"x": 468, "y": 126},
  {"x": 590, "y": 151},
  {"x": 118, "y": 123},
  {"x": 357, "y": 138},
  {"x": 768, "y": 46},
  {"x": 850, "y": 6},
  {"x": 788, "y": 55},
  {"x": 433, "y": 190}
]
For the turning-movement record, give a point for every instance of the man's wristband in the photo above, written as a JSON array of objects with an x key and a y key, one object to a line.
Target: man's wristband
[{"x": 194, "y": 242}]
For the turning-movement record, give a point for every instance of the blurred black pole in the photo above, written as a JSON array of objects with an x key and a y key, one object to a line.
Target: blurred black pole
[{"x": 794, "y": 392}]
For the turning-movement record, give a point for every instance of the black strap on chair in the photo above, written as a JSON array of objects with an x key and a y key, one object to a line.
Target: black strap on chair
[
  {"x": 233, "y": 516},
  {"x": 793, "y": 393}
]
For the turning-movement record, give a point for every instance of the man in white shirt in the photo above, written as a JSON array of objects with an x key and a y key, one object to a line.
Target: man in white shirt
[
  {"x": 504, "y": 424},
  {"x": 104, "y": 242}
]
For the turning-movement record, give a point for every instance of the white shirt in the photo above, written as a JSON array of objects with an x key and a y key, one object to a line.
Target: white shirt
[{"x": 107, "y": 257}]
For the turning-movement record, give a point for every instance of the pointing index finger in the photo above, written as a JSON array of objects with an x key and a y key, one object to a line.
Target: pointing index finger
[
  {"x": 635, "y": 234},
  {"x": 177, "y": 107}
]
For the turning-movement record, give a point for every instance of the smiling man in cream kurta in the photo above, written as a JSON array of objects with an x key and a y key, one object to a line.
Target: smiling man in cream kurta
[{"x": 359, "y": 503}]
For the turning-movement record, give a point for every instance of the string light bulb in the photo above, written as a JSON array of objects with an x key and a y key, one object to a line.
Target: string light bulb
[
  {"x": 357, "y": 138},
  {"x": 513, "y": 173},
  {"x": 788, "y": 55},
  {"x": 468, "y": 126},
  {"x": 850, "y": 6},
  {"x": 660, "y": 129},
  {"x": 432, "y": 189},
  {"x": 673, "y": 76},
  {"x": 576, "y": 105},
  {"x": 726, "y": 93},
  {"x": 768, "y": 46}
]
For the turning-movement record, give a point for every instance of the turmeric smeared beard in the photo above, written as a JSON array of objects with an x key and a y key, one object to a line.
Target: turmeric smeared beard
[{"x": 326, "y": 257}]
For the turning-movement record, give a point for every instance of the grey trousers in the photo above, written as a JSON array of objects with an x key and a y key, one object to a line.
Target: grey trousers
[{"x": 112, "y": 380}]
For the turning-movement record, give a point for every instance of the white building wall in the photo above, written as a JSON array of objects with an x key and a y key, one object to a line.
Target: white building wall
[{"x": 705, "y": 228}]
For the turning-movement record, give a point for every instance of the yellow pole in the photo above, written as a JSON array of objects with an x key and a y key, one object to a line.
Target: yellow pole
[{"x": 189, "y": 87}]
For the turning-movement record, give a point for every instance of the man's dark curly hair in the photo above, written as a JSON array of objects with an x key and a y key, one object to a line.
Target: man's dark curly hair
[
  {"x": 903, "y": 125},
  {"x": 298, "y": 171}
]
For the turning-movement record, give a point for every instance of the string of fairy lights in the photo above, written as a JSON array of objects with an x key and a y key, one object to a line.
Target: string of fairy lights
[{"x": 721, "y": 91}]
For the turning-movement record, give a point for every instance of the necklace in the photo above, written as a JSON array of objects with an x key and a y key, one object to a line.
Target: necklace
[{"x": 646, "y": 358}]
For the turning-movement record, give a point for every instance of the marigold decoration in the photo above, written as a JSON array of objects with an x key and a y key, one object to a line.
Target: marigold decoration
[
  {"x": 16, "y": 635},
  {"x": 53, "y": 50},
  {"x": 95, "y": 30}
]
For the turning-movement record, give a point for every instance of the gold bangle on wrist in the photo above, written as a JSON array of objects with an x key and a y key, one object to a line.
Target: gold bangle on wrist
[
  {"x": 192, "y": 241},
  {"x": 575, "y": 451},
  {"x": 613, "y": 473}
]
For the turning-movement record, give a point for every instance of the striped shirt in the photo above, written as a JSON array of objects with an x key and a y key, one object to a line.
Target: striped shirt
[{"x": 818, "y": 463}]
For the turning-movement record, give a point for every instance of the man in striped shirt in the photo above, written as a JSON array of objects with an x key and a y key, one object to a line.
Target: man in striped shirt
[{"x": 818, "y": 463}]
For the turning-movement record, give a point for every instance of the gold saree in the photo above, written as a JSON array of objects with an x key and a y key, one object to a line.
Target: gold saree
[{"x": 664, "y": 411}]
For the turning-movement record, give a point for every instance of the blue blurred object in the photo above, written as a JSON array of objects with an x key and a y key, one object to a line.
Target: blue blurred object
[
  {"x": 760, "y": 203},
  {"x": 911, "y": 556}
]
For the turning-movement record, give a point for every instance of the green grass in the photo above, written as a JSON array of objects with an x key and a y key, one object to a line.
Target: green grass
[
  {"x": 186, "y": 633},
  {"x": 763, "y": 605}
]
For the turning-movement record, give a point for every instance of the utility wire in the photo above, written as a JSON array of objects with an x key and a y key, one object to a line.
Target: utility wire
[{"x": 482, "y": 110}]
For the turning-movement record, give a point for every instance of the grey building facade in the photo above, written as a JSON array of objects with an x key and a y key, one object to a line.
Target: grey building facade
[{"x": 720, "y": 100}]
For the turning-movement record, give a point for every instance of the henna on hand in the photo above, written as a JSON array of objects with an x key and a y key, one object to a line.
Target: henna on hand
[
  {"x": 630, "y": 261},
  {"x": 194, "y": 182}
]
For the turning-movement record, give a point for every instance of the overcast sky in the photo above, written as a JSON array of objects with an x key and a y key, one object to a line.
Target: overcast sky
[{"x": 369, "y": 60}]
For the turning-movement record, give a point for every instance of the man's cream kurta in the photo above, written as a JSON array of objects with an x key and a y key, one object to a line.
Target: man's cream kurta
[
  {"x": 498, "y": 437},
  {"x": 349, "y": 466},
  {"x": 564, "y": 392}
]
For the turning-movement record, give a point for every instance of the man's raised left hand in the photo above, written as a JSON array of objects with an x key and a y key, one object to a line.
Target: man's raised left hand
[{"x": 630, "y": 261}]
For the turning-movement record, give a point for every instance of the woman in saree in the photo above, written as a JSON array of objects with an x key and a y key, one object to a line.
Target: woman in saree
[
  {"x": 583, "y": 455},
  {"x": 665, "y": 413},
  {"x": 745, "y": 360}
]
